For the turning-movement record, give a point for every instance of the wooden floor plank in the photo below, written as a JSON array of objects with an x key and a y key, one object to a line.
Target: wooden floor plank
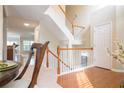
[{"x": 93, "y": 77}]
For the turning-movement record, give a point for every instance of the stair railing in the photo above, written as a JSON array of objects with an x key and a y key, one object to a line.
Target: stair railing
[
  {"x": 54, "y": 61},
  {"x": 75, "y": 58}
]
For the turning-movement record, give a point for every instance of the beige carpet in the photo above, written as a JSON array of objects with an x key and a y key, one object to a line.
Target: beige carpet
[{"x": 46, "y": 79}]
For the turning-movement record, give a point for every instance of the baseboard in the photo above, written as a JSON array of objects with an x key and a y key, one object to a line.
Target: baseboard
[
  {"x": 76, "y": 70},
  {"x": 117, "y": 70}
]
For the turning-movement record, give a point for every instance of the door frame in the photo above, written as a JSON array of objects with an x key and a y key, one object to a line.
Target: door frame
[{"x": 111, "y": 32}]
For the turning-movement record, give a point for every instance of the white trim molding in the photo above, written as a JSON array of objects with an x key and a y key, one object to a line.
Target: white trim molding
[
  {"x": 76, "y": 70},
  {"x": 117, "y": 70}
]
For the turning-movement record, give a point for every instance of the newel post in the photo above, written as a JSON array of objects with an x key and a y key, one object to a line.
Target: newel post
[
  {"x": 58, "y": 52},
  {"x": 47, "y": 57}
]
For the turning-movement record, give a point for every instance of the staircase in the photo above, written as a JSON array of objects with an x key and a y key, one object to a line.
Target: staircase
[
  {"x": 55, "y": 13},
  {"x": 65, "y": 60},
  {"x": 65, "y": 24},
  {"x": 68, "y": 59}
]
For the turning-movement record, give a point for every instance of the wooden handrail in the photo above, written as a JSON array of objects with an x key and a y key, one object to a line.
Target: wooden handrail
[
  {"x": 47, "y": 54},
  {"x": 53, "y": 54},
  {"x": 67, "y": 17},
  {"x": 49, "y": 51},
  {"x": 59, "y": 59},
  {"x": 58, "y": 68},
  {"x": 76, "y": 48},
  {"x": 79, "y": 26}
]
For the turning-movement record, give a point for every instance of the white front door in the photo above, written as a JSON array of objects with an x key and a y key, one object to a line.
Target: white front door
[{"x": 102, "y": 42}]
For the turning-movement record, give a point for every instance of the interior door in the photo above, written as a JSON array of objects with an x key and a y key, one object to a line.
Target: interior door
[{"x": 102, "y": 42}]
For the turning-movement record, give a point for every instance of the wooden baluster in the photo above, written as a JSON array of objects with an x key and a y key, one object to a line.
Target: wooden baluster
[
  {"x": 47, "y": 55},
  {"x": 58, "y": 68},
  {"x": 73, "y": 30}
]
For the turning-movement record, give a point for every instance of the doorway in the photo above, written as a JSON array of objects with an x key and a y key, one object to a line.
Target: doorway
[{"x": 102, "y": 42}]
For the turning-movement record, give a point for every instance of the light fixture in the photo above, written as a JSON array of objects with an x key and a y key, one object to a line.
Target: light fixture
[
  {"x": 26, "y": 24},
  {"x": 102, "y": 6}
]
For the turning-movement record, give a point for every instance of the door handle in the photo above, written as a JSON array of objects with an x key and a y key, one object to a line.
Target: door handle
[{"x": 108, "y": 51}]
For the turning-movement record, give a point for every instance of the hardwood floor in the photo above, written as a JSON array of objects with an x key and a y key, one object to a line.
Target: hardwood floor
[{"x": 93, "y": 77}]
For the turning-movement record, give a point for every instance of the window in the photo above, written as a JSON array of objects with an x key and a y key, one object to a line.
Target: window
[
  {"x": 27, "y": 45},
  {"x": 10, "y": 43}
]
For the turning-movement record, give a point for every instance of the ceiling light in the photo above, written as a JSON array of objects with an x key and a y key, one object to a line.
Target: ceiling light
[{"x": 26, "y": 24}]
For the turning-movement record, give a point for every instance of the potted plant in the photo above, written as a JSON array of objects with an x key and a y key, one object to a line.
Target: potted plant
[{"x": 118, "y": 55}]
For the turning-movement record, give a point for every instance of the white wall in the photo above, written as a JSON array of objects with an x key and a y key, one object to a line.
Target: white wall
[
  {"x": 46, "y": 35},
  {"x": 37, "y": 34},
  {"x": 59, "y": 18},
  {"x": 119, "y": 31},
  {"x": 1, "y": 32},
  {"x": 120, "y": 23},
  {"x": 63, "y": 7},
  {"x": 98, "y": 15},
  {"x": 105, "y": 15},
  {"x": 80, "y": 15},
  {"x": 115, "y": 14},
  {"x": 85, "y": 14}
]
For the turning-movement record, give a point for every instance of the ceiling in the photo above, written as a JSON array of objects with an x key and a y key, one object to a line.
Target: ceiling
[
  {"x": 32, "y": 14},
  {"x": 18, "y": 24},
  {"x": 17, "y": 16}
]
